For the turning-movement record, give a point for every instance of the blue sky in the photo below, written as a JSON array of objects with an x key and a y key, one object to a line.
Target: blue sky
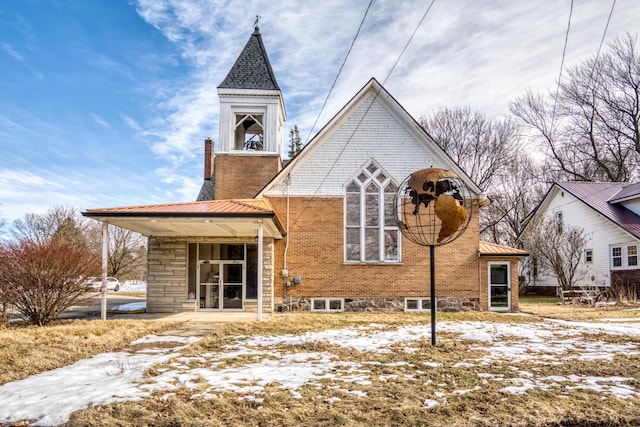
[{"x": 107, "y": 102}]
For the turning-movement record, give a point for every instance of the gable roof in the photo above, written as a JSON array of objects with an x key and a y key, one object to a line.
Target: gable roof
[
  {"x": 379, "y": 94},
  {"x": 252, "y": 69},
  {"x": 599, "y": 197}
]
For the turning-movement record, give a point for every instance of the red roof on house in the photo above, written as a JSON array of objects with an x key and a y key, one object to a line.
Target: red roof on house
[{"x": 628, "y": 192}]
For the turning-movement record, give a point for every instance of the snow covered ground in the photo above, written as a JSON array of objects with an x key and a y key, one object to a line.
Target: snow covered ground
[
  {"x": 133, "y": 286},
  {"x": 49, "y": 398}
]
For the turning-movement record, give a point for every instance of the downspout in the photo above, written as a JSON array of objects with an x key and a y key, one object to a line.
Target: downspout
[
  {"x": 286, "y": 246},
  {"x": 260, "y": 249}
]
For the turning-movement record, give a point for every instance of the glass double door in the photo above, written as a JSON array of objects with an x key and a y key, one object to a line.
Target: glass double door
[{"x": 221, "y": 285}]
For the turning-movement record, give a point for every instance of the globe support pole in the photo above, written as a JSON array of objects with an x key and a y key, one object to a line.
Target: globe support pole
[{"x": 432, "y": 266}]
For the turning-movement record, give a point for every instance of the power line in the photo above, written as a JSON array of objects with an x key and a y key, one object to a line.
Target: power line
[
  {"x": 606, "y": 27},
  {"x": 424, "y": 15},
  {"x": 564, "y": 51},
  {"x": 339, "y": 71},
  {"x": 409, "y": 41}
]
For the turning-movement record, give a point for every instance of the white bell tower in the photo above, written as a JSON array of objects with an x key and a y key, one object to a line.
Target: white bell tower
[{"x": 252, "y": 117}]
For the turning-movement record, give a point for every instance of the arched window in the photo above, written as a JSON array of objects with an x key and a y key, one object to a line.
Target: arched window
[{"x": 371, "y": 231}]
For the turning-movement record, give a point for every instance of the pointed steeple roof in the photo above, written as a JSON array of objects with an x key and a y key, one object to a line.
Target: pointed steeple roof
[{"x": 252, "y": 69}]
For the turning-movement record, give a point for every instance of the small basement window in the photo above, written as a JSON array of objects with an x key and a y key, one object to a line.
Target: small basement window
[
  {"x": 417, "y": 304},
  {"x": 327, "y": 304}
]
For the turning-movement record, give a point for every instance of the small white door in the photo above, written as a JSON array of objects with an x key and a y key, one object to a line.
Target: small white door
[{"x": 499, "y": 286}]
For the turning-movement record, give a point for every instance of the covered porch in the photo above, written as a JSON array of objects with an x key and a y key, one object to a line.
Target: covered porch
[{"x": 209, "y": 256}]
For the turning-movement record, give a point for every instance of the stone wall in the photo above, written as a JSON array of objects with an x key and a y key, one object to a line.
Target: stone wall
[
  {"x": 447, "y": 304},
  {"x": 167, "y": 273}
]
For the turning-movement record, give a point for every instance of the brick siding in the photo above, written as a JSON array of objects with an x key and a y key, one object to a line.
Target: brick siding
[
  {"x": 316, "y": 254},
  {"x": 242, "y": 177}
]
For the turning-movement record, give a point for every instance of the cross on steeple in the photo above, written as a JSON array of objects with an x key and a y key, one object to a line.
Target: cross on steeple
[{"x": 255, "y": 24}]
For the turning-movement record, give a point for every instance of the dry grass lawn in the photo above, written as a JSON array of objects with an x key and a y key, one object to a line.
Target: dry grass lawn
[
  {"x": 468, "y": 392},
  {"x": 400, "y": 384},
  {"x": 28, "y": 350},
  {"x": 552, "y": 308}
]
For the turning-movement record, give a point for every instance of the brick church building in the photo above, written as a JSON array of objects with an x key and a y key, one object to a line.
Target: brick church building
[{"x": 318, "y": 233}]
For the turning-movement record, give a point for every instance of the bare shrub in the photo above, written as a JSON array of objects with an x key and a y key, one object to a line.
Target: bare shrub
[
  {"x": 44, "y": 278},
  {"x": 557, "y": 249}
]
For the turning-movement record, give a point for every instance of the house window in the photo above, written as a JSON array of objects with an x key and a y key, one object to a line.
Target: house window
[
  {"x": 559, "y": 218},
  {"x": 371, "y": 231},
  {"x": 632, "y": 256},
  {"x": 249, "y": 132},
  {"x": 417, "y": 304},
  {"x": 588, "y": 255},
  {"x": 616, "y": 256},
  {"x": 327, "y": 304}
]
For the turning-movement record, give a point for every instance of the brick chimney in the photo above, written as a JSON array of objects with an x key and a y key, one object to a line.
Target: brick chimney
[{"x": 208, "y": 158}]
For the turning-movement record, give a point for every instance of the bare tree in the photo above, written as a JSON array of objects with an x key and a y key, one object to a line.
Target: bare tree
[
  {"x": 127, "y": 250},
  {"x": 483, "y": 148},
  {"x": 3, "y": 226},
  {"x": 295, "y": 143},
  {"x": 511, "y": 199},
  {"x": 558, "y": 249},
  {"x": 591, "y": 128},
  {"x": 60, "y": 221},
  {"x": 43, "y": 278},
  {"x": 491, "y": 153}
]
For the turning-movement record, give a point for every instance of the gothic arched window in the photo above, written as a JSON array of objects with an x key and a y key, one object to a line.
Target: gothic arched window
[{"x": 371, "y": 232}]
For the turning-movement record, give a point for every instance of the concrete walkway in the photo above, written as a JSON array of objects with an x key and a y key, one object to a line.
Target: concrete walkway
[
  {"x": 194, "y": 316},
  {"x": 193, "y": 324}
]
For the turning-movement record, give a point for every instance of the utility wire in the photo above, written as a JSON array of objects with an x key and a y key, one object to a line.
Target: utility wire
[
  {"x": 344, "y": 147},
  {"x": 409, "y": 41},
  {"x": 606, "y": 27},
  {"x": 564, "y": 51},
  {"x": 591, "y": 73},
  {"x": 339, "y": 71}
]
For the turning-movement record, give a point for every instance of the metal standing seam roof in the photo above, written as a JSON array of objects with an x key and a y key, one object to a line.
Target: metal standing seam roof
[
  {"x": 493, "y": 249},
  {"x": 252, "y": 69},
  {"x": 598, "y": 196},
  {"x": 244, "y": 207},
  {"x": 627, "y": 192}
]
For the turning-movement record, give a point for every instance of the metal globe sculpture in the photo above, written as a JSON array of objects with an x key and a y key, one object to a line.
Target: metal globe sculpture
[{"x": 433, "y": 207}]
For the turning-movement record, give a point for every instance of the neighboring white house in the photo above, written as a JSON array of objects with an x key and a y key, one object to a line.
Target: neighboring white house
[{"x": 609, "y": 213}]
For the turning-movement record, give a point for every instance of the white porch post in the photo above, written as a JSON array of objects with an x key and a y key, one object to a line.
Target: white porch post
[
  {"x": 105, "y": 258},
  {"x": 260, "y": 269}
]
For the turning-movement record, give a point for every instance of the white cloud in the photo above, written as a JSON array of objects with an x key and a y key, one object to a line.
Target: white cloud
[
  {"x": 6, "y": 47},
  {"x": 99, "y": 120},
  {"x": 132, "y": 123},
  {"x": 482, "y": 54},
  {"x": 465, "y": 53}
]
